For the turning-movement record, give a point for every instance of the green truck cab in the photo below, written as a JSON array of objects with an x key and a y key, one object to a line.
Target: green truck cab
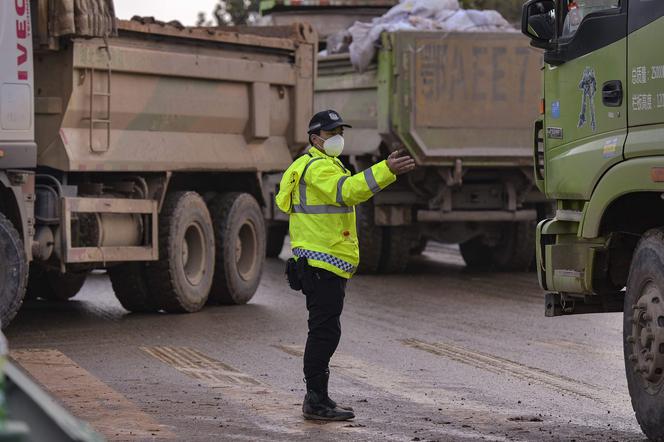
[{"x": 599, "y": 153}]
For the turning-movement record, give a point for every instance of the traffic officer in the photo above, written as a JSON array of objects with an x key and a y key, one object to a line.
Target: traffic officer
[{"x": 319, "y": 194}]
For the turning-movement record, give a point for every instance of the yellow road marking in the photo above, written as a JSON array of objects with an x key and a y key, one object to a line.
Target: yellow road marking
[
  {"x": 199, "y": 366},
  {"x": 88, "y": 398}
]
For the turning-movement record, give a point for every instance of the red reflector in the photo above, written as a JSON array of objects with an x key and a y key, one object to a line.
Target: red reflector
[
  {"x": 2, "y": 153},
  {"x": 542, "y": 107},
  {"x": 657, "y": 174}
]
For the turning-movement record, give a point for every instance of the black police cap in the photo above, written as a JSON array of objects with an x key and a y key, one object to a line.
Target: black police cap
[{"x": 326, "y": 120}]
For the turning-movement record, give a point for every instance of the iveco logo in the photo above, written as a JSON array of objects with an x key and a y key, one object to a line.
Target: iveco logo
[{"x": 22, "y": 34}]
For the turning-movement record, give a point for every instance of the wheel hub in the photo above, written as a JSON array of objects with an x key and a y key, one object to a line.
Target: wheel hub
[
  {"x": 647, "y": 337},
  {"x": 246, "y": 245},
  {"x": 193, "y": 254}
]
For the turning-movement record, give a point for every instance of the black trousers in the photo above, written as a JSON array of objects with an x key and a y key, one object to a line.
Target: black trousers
[{"x": 325, "y": 294}]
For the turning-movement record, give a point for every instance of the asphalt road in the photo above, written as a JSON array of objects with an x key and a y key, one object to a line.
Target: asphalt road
[{"x": 440, "y": 354}]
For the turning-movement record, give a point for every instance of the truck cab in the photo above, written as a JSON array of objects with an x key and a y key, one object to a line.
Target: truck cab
[
  {"x": 598, "y": 150},
  {"x": 18, "y": 151}
]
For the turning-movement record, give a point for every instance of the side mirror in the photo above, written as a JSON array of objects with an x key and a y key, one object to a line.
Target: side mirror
[{"x": 538, "y": 22}]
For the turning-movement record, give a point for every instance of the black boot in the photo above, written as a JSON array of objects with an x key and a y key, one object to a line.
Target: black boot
[
  {"x": 328, "y": 401},
  {"x": 316, "y": 408}
]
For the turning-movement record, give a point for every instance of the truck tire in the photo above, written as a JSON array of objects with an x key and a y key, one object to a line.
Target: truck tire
[
  {"x": 514, "y": 252},
  {"x": 643, "y": 333},
  {"x": 239, "y": 230},
  {"x": 13, "y": 271},
  {"x": 419, "y": 246},
  {"x": 476, "y": 254},
  {"x": 52, "y": 285},
  {"x": 397, "y": 244},
  {"x": 370, "y": 238},
  {"x": 182, "y": 277},
  {"x": 276, "y": 234},
  {"x": 129, "y": 281}
]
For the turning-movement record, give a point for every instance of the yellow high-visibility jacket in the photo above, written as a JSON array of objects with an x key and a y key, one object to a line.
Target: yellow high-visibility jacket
[{"x": 319, "y": 194}]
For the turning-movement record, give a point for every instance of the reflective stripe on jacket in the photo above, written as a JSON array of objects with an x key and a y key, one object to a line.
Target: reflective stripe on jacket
[{"x": 319, "y": 193}]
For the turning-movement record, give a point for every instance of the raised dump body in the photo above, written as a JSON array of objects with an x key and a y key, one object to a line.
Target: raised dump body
[{"x": 152, "y": 142}]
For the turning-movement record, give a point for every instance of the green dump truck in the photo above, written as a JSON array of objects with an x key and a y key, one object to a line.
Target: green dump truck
[
  {"x": 463, "y": 105},
  {"x": 599, "y": 151},
  {"x": 140, "y": 147}
]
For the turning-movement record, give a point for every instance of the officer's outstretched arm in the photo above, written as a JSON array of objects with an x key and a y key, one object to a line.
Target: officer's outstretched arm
[{"x": 349, "y": 190}]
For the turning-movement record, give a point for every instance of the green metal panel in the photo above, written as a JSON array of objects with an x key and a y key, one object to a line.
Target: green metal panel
[
  {"x": 469, "y": 96},
  {"x": 385, "y": 82},
  {"x": 584, "y": 138},
  {"x": 628, "y": 177},
  {"x": 352, "y": 94},
  {"x": 646, "y": 91}
]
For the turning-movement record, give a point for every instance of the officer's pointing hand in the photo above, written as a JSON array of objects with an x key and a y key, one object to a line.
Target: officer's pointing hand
[{"x": 399, "y": 164}]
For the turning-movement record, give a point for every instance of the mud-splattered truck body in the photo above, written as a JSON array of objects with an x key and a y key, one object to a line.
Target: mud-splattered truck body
[
  {"x": 463, "y": 105},
  {"x": 600, "y": 155},
  {"x": 140, "y": 147}
]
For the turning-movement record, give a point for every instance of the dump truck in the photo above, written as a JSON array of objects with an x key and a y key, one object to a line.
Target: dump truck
[
  {"x": 462, "y": 104},
  {"x": 140, "y": 147},
  {"x": 598, "y": 150}
]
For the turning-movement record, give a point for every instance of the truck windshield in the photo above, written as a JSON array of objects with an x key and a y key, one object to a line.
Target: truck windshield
[{"x": 576, "y": 10}]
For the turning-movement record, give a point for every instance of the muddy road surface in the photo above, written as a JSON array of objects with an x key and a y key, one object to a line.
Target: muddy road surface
[{"x": 438, "y": 354}]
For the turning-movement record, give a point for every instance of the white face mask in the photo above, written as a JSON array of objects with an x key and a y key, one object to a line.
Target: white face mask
[{"x": 334, "y": 146}]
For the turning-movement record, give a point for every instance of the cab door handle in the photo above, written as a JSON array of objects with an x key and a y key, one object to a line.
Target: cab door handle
[{"x": 612, "y": 93}]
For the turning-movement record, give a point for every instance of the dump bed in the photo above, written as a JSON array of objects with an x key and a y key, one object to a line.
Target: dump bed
[
  {"x": 445, "y": 96},
  {"x": 161, "y": 97}
]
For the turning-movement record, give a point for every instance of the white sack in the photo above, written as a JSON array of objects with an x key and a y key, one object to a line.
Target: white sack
[{"x": 410, "y": 15}]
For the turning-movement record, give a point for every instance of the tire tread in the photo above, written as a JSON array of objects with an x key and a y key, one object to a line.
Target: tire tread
[
  {"x": 160, "y": 274},
  {"x": 222, "y": 209},
  {"x": 9, "y": 311},
  {"x": 131, "y": 288}
]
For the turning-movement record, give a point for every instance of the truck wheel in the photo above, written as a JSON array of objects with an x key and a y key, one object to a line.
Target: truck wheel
[
  {"x": 52, "y": 285},
  {"x": 276, "y": 234},
  {"x": 476, "y": 253},
  {"x": 643, "y": 333},
  {"x": 182, "y": 277},
  {"x": 370, "y": 238},
  {"x": 130, "y": 285},
  {"x": 13, "y": 271},
  {"x": 37, "y": 283},
  {"x": 397, "y": 244},
  {"x": 419, "y": 246},
  {"x": 514, "y": 252},
  {"x": 240, "y": 247}
]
